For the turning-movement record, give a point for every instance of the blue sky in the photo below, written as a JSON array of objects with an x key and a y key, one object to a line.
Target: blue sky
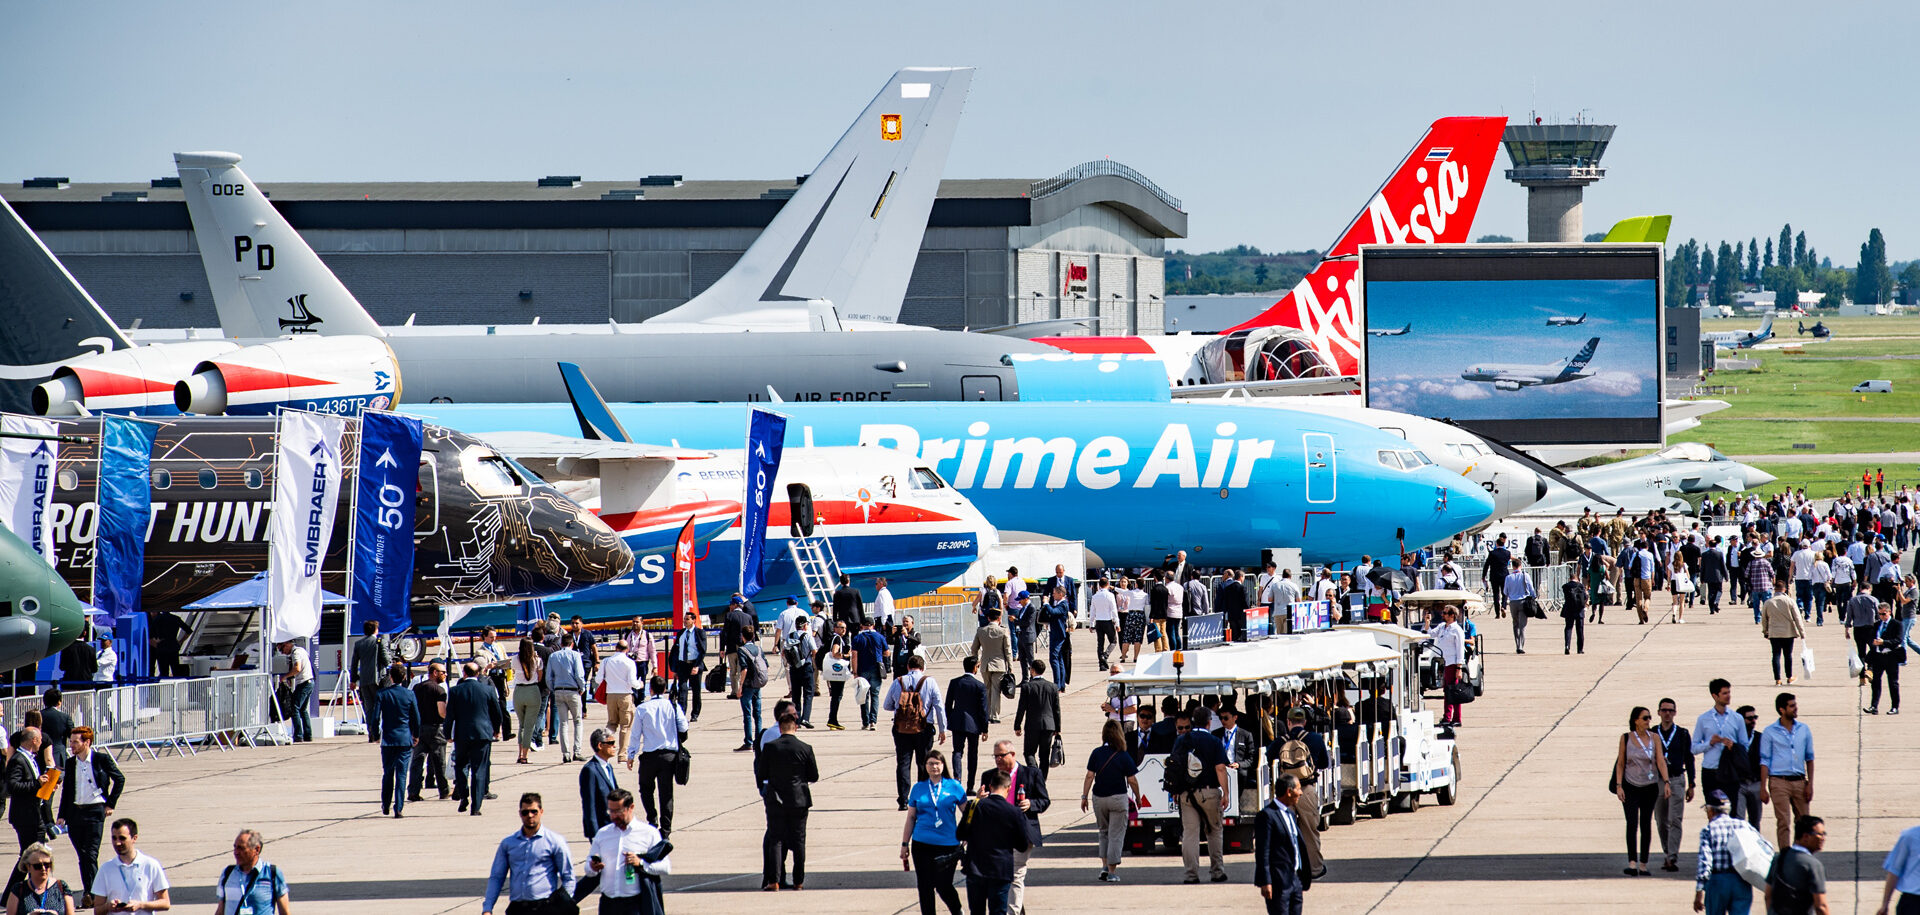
[
  {"x": 1457, "y": 325},
  {"x": 1272, "y": 121}
]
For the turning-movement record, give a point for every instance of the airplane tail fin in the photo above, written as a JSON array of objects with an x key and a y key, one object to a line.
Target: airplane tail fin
[
  {"x": 1431, "y": 197},
  {"x": 596, "y": 421},
  {"x": 267, "y": 281},
  {"x": 1640, "y": 229},
  {"x": 1766, "y": 328},
  {"x": 1584, "y": 356},
  {"x": 851, "y": 232},
  {"x": 49, "y": 319}
]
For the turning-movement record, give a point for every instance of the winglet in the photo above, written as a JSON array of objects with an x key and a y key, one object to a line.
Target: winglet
[
  {"x": 851, "y": 233},
  {"x": 49, "y": 318},
  {"x": 597, "y": 422},
  {"x": 1640, "y": 229},
  {"x": 266, "y": 280}
]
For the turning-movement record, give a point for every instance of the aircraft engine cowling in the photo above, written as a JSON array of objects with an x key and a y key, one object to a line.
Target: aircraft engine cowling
[
  {"x": 138, "y": 380},
  {"x": 1506, "y": 385},
  {"x": 343, "y": 374}
]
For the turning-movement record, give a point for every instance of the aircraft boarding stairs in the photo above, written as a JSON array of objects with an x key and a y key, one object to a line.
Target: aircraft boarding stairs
[{"x": 819, "y": 570}]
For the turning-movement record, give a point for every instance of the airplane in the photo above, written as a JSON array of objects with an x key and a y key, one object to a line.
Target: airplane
[
  {"x": 1133, "y": 480},
  {"x": 1377, "y": 332},
  {"x": 1567, "y": 322},
  {"x": 1641, "y": 484},
  {"x": 1819, "y": 330},
  {"x": 485, "y": 529},
  {"x": 1514, "y": 377},
  {"x": 1430, "y": 197},
  {"x": 837, "y": 257},
  {"x": 39, "y": 613},
  {"x": 1740, "y": 339}
]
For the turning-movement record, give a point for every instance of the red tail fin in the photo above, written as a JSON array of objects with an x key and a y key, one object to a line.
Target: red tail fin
[{"x": 1430, "y": 198}]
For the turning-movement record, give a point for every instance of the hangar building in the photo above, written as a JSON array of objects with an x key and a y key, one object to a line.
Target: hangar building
[{"x": 1090, "y": 241}]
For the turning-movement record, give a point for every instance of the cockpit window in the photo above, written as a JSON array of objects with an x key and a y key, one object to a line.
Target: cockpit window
[
  {"x": 1414, "y": 459},
  {"x": 1390, "y": 459},
  {"x": 1690, "y": 451},
  {"x": 925, "y": 478},
  {"x": 491, "y": 475}
]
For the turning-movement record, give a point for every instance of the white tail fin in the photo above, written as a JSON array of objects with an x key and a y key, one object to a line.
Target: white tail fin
[
  {"x": 851, "y": 233},
  {"x": 266, "y": 280}
]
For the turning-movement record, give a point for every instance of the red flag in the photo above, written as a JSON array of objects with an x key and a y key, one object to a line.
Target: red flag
[{"x": 686, "y": 597}]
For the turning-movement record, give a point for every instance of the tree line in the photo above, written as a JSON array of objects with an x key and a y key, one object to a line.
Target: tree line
[{"x": 1786, "y": 266}]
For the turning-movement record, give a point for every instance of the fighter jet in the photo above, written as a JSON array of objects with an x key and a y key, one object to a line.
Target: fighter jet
[
  {"x": 39, "y": 613},
  {"x": 1514, "y": 377},
  {"x": 1389, "y": 332},
  {"x": 1740, "y": 339},
  {"x": 1567, "y": 322},
  {"x": 1643, "y": 483}
]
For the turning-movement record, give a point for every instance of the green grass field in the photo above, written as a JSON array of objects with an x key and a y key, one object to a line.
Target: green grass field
[{"x": 1831, "y": 480}]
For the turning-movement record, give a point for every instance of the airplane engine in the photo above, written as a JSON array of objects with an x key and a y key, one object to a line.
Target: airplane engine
[
  {"x": 1506, "y": 385},
  {"x": 138, "y": 380},
  {"x": 343, "y": 374}
]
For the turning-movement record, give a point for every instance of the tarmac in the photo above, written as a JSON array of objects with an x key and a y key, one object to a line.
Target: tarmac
[{"x": 1533, "y": 828}]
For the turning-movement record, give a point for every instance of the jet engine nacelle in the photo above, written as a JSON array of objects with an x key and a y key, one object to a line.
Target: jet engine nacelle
[
  {"x": 138, "y": 380},
  {"x": 1506, "y": 385},
  {"x": 344, "y": 374}
]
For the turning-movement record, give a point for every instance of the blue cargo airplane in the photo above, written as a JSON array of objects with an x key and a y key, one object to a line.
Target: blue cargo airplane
[{"x": 1133, "y": 480}]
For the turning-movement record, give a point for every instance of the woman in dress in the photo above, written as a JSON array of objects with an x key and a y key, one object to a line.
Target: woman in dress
[{"x": 1640, "y": 780}]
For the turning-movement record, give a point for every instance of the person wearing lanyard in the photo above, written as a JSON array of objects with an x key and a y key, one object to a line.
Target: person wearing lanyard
[
  {"x": 1640, "y": 774},
  {"x": 659, "y": 726},
  {"x": 250, "y": 886},
  {"x": 689, "y": 659},
  {"x": 88, "y": 795},
  {"x": 1786, "y": 767},
  {"x": 133, "y": 881},
  {"x": 1715, "y": 729},
  {"x": 566, "y": 678},
  {"x": 1680, "y": 780}
]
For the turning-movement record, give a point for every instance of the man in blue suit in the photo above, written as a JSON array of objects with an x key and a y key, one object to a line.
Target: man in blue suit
[
  {"x": 967, "y": 718},
  {"x": 597, "y": 781},
  {"x": 471, "y": 707},
  {"x": 1279, "y": 868},
  {"x": 399, "y": 724}
]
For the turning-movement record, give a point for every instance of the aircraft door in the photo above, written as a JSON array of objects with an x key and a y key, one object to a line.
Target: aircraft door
[
  {"x": 979, "y": 387},
  {"x": 800, "y": 509},
  {"x": 426, "y": 515},
  {"x": 1321, "y": 470}
]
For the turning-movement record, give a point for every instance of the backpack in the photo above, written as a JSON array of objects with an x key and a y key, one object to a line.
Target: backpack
[
  {"x": 753, "y": 666},
  {"x": 910, "y": 713},
  {"x": 1183, "y": 770},
  {"x": 1296, "y": 758},
  {"x": 795, "y": 651}
]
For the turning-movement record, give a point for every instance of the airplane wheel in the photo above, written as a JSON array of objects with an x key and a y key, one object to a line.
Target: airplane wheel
[
  {"x": 1343, "y": 815},
  {"x": 411, "y": 648},
  {"x": 1446, "y": 795}
]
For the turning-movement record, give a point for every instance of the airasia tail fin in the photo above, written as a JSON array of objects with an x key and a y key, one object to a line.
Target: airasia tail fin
[{"x": 1429, "y": 199}]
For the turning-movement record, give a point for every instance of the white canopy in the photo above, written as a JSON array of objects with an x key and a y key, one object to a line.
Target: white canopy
[{"x": 1284, "y": 662}]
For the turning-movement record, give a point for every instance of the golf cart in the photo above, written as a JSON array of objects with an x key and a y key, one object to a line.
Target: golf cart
[{"x": 1423, "y": 606}]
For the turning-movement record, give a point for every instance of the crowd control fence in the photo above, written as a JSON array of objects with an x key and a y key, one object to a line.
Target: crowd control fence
[{"x": 146, "y": 720}]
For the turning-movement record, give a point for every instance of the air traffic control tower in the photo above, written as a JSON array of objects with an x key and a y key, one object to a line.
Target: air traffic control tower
[{"x": 1554, "y": 162}]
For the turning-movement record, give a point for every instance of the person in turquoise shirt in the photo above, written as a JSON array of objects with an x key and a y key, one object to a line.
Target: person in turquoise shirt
[{"x": 929, "y": 842}]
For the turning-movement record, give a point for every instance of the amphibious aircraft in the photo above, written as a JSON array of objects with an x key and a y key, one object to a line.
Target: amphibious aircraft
[{"x": 1514, "y": 377}]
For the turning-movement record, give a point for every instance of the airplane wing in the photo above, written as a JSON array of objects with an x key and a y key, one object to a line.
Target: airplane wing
[
  {"x": 1345, "y": 384},
  {"x": 1032, "y": 329},
  {"x": 566, "y": 458}
]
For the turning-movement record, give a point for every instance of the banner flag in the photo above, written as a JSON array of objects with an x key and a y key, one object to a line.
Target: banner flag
[
  {"x": 766, "y": 433},
  {"x": 389, "y": 474},
  {"x": 27, "y": 467},
  {"x": 306, "y": 490},
  {"x": 125, "y": 501},
  {"x": 686, "y": 596}
]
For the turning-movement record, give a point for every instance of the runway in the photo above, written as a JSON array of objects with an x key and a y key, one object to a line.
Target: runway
[{"x": 1534, "y": 821}]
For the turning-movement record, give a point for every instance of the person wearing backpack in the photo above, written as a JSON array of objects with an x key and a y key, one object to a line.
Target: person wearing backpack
[
  {"x": 252, "y": 885},
  {"x": 918, "y": 717},
  {"x": 753, "y": 677},
  {"x": 1301, "y": 752},
  {"x": 1196, "y": 771},
  {"x": 798, "y": 649}
]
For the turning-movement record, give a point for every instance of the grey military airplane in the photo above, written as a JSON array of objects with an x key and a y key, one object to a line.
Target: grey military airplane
[
  {"x": 39, "y": 613},
  {"x": 1643, "y": 483},
  {"x": 837, "y": 257}
]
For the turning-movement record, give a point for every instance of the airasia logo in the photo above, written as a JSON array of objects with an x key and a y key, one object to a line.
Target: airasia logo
[{"x": 1427, "y": 221}]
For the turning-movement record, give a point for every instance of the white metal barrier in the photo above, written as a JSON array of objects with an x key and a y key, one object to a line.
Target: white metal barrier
[{"x": 222, "y": 712}]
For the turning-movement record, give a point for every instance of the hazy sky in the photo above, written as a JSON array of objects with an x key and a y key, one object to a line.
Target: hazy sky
[{"x": 1273, "y": 122}]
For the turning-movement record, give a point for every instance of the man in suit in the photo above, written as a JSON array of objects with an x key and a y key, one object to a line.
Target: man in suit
[
  {"x": 55, "y": 725},
  {"x": 1025, "y": 789},
  {"x": 787, "y": 769},
  {"x": 597, "y": 781},
  {"x": 89, "y": 792},
  {"x": 1038, "y": 716},
  {"x": 24, "y": 810},
  {"x": 996, "y": 838},
  {"x": 967, "y": 718},
  {"x": 1498, "y": 559},
  {"x": 367, "y": 666},
  {"x": 1230, "y": 598},
  {"x": 993, "y": 652},
  {"x": 1279, "y": 869},
  {"x": 1059, "y": 619},
  {"x": 1065, "y": 582},
  {"x": 399, "y": 734},
  {"x": 471, "y": 709},
  {"x": 847, "y": 604},
  {"x": 1242, "y": 756}
]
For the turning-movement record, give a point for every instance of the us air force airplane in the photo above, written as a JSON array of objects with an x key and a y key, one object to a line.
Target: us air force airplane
[
  {"x": 1642, "y": 483},
  {"x": 1742, "y": 339},
  {"x": 484, "y": 529},
  {"x": 1567, "y": 322},
  {"x": 1515, "y": 377},
  {"x": 837, "y": 256},
  {"x": 39, "y": 613},
  {"x": 1132, "y": 480}
]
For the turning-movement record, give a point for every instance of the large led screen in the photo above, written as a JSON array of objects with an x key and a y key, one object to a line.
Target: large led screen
[{"x": 1528, "y": 344}]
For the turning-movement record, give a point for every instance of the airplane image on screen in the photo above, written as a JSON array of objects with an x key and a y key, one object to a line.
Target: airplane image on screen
[
  {"x": 1389, "y": 332},
  {"x": 1515, "y": 377},
  {"x": 1567, "y": 322},
  {"x": 1742, "y": 339}
]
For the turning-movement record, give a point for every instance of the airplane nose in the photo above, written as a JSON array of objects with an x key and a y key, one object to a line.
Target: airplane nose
[
  {"x": 568, "y": 549},
  {"x": 1539, "y": 488},
  {"x": 1756, "y": 478},
  {"x": 1466, "y": 506}
]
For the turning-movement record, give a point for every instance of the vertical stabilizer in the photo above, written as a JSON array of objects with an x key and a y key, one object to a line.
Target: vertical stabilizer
[
  {"x": 266, "y": 280},
  {"x": 851, "y": 233},
  {"x": 1430, "y": 198},
  {"x": 48, "y": 318}
]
